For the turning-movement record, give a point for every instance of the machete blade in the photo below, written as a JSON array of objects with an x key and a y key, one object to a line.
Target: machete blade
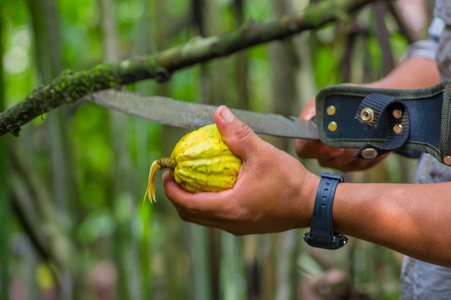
[{"x": 178, "y": 113}]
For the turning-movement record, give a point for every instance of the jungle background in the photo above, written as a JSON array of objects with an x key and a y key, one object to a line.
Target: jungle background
[{"x": 72, "y": 221}]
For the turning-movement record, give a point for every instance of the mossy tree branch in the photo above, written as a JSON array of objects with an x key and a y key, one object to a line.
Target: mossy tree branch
[{"x": 69, "y": 86}]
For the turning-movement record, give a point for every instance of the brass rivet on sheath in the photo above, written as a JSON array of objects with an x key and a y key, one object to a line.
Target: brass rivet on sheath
[
  {"x": 397, "y": 114},
  {"x": 367, "y": 115},
  {"x": 397, "y": 128},
  {"x": 332, "y": 126},
  {"x": 331, "y": 110},
  {"x": 447, "y": 160},
  {"x": 369, "y": 153}
]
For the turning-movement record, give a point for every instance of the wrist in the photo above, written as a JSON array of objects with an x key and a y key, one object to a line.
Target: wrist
[
  {"x": 306, "y": 200},
  {"x": 322, "y": 234}
]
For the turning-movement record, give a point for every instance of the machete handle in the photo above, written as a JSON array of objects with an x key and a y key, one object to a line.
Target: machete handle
[{"x": 374, "y": 120}]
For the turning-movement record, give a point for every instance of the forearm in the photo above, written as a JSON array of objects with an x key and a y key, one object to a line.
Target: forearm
[
  {"x": 409, "y": 218},
  {"x": 415, "y": 73}
]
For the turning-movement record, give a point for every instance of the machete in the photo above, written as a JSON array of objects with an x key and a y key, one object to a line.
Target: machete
[
  {"x": 376, "y": 121},
  {"x": 178, "y": 113}
]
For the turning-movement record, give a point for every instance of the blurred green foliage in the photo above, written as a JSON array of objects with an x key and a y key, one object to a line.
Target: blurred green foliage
[{"x": 134, "y": 250}]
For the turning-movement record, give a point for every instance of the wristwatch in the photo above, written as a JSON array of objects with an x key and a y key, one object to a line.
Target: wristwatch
[{"x": 321, "y": 233}]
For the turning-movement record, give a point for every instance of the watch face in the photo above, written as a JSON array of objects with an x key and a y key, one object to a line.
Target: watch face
[{"x": 336, "y": 242}]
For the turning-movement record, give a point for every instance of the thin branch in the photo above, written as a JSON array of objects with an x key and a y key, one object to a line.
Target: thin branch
[
  {"x": 49, "y": 236},
  {"x": 382, "y": 34},
  {"x": 68, "y": 87},
  {"x": 28, "y": 222},
  {"x": 403, "y": 27}
]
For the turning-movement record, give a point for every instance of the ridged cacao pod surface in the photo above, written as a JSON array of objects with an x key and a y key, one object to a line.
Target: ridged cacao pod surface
[{"x": 200, "y": 162}]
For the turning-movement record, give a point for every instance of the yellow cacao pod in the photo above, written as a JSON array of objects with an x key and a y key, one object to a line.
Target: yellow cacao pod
[{"x": 200, "y": 162}]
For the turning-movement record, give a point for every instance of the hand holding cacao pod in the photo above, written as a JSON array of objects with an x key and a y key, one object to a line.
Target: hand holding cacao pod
[
  {"x": 200, "y": 162},
  {"x": 273, "y": 191}
]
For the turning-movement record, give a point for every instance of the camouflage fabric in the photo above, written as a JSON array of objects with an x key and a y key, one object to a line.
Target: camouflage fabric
[
  {"x": 422, "y": 280},
  {"x": 442, "y": 10}
]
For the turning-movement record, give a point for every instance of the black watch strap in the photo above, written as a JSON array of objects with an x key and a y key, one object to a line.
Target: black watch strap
[{"x": 321, "y": 233}]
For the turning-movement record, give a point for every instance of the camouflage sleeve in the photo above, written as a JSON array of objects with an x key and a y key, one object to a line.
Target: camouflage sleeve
[{"x": 427, "y": 48}]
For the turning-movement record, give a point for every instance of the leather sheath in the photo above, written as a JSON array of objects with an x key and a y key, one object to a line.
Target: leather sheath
[{"x": 427, "y": 127}]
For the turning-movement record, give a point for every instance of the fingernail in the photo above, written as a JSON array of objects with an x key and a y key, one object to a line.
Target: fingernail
[{"x": 227, "y": 115}]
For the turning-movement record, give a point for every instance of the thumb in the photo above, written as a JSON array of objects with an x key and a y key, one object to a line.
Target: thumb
[{"x": 238, "y": 136}]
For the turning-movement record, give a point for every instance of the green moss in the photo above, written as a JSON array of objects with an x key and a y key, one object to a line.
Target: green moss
[
  {"x": 156, "y": 70},
  {"x": 16, "y": 132}
]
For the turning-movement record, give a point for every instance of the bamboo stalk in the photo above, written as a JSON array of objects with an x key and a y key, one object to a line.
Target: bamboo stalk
[
  {"x": 122, "y": 233},
  {"x": 241, "y": 63},
  {"x": 200, "y": 261},
  {"x": 70, "y": 86},
  {"x": 49, "y": 63},
  {"x": 383, "y": 36},
  {"x": 60, "y": 247},
  {"x": 145, "y": 280},
  {"x": 233, "y": 277},
  {"x": 284, "y": 65},
  {"x": 4, "y": 199},
  {"x": 201, "y": 243}
]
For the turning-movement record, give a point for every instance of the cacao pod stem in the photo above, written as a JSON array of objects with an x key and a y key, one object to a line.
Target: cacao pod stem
[{"x": 157, "y": 165}]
